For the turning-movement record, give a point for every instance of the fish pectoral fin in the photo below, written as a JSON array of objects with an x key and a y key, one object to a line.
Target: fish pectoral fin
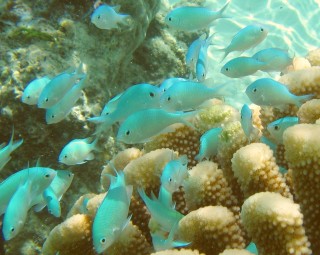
[
  {"x": 126, "y": 223},
  {"x": 39, "y": 207},
  {"x": 180, "y": 243}
]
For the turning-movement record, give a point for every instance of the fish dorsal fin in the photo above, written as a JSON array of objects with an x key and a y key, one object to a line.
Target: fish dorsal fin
[
  {"x": 38, "y": 164},
  {"x": 116, "y": 8}
]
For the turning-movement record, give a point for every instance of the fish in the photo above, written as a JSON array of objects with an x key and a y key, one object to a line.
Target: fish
[
  {"x": 277, "y": 127},
  {"x": 241, "y": 66},
  {"x": 165, "y": 216},
  {"x": 246, "y": 121},
  {"x": 111, "y": 105},
  {"x": 20, "y": 203},
  {"x": 193, "y": 52},
  {"x": 54, "y": 91},
  {"x": 33, "y": 90},
  {"x": 187, "y": 95},
  {"x": 268, "y": 92},
  {"x": 189, "y": 18},
  {"x": 107, "y": 17},
  {"x": 167, "y": 83},
  {"x": 53, "y": 194},
  {"x": 201, "y": 65},
  {"x": 275, "y": 59},
  {"x": 174, "y": 173},
  {"x": 142, "y": 126},
  {"x": 5, "y": 151},
  {"x": 246, "y": 38},
  {"x": 42, "y": 177},
  {"x": 61, "y": 109},
  {"x": 112, "y": 215},
  {"x": 78, "y": 151},
  {"x": 209, "y": 144},
  {"x": 161, "y": 243},
  {"x": 133, "y": 99}
]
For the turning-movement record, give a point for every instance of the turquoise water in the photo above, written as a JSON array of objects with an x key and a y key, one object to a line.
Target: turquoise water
[{"x": 293, "y": 25}]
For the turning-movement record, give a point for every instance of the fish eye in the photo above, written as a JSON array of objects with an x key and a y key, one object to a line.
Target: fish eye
[
  {"x": 169, "y": 98},
  {"x": 98, "y": 17},
  {"x": 170, "y": 179},
  {"x": 151, "y": 94},
  {"x": 12, "y": 229},
  {"x": 255, "y": 90},
  {"x": 28, "y": 97},
  {"x": 102, "y": 240},
  {"x": 261, "y": 29},
  {"x": 276, "y": 127},
  {"x": 47, "y": 99},
  {"x": 65, "y": 156},
  {"x": 128, "y": 132},
  {"x": 52, "y": 116},
  {"x": 69, "y": 175},
  {"x": 170, "y": 19},
  {"x": 47, "y": 175},
  {"x": 227, "y": 69}
]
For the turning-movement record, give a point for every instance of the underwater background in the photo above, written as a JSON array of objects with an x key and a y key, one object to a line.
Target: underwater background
[{"x": 46, "y": 38}]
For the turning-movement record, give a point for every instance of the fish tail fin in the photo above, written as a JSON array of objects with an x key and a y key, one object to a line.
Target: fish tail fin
[
  {"x": 198, "y": 157},
  {"x": 95, "y": 145},
  {"x": 125, "y": 19},
  {"x": 301, "y": 99},
  {"x": 14, "y": 145},
  {"x": 226, "y": 53},
  {"x": 221, "y": 11}
]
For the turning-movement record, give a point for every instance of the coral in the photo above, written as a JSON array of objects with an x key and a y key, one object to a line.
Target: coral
[
  {"x": 314, "y": 57},
  {"x": 146, "y": 170},
  {"x": 211, "y": 230},
  {"x": 183, "y": 140},
  {"x": 265, "y": 213},
  {"x": 303, "y": 81},
  {"x": 232, "y": 138},
  {"x": 72, "y": 236},
  {"x": 206, "y": 186},
  {"x": 178, "y": 252},
  {"x": 309, "y": 112},
  {"x": 214, "y": 116},
  {"x": 119, "y": 161},
  {"x": 302, "y": 144},
  {"x": 235, "y": 252},
  {"x": 255, "y": 169}
]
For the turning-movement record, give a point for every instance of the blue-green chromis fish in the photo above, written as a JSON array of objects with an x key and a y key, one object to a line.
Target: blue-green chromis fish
[
  {"x": 107, "y": 17},
  {"x": 276, "y": 128},
  {"x": 135, "y": 98},
  {"x": 161, "y": 243},
  {"x": 201, "y": 65},
  {"x": 174, "y": 173},
  {"x": 5, "y": 151},
  {"x": 42, "y": 176},
  {"x": 142, "y": 126},
  {"x": 241, "y": 66},
  {"x": 187, "y": 95},
  {"x": 33, "y": 90},
  {"x": 268, "y": 92},
  {"x": 248, "y": 37},
  {"x": 165, "y": 216},
  {"x": 111, "y": 105},
  {"x": 78, "y": 151},
  {"x": 52, "y": 195},
  {"x": 193, "y": 52},
  {"x": 246, "y": 121},
  {"x": 112, "y": 215},
  {"x": 62, "y": 108},
  {"x": 167, "y": 83},
  {"x": 188, "y": 18},
  {"x": 20, "y": 203},
  {"x": 276, "y": 60},
  {"x": 209, "y": 144},
  {"x": 54, "y": 91}
]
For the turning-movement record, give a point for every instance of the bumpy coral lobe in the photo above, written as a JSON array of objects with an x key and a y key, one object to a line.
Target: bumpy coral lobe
[
  {"x": 309, "y": 112},
  {"x": 206, "y": 186},
  {"x": 178, "y": 252},
  {"x": 275, "y": 224},
  {"x": 236, "y": 252},
  {"x": 184, "y": 140},
  {"x": 302, "y": 143},
  {"x": 211, "y": 230},
  {"x": 255, "y": 169}
]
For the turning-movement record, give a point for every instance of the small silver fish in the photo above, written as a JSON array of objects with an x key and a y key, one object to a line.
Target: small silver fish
[
  {"x": 277, "y": 127},
  {"x": 107, "y": 17},
  {"x": 246, "y": 121},
  {"x": 33, "y": 90}
]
